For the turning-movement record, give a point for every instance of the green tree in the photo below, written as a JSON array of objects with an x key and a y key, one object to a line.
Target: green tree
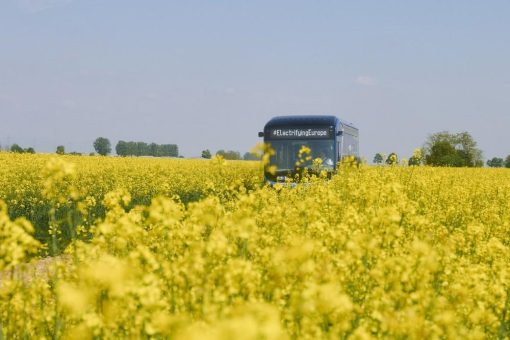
[
  {"x": 206, "y": 154},
  {"x": 231, "y": 155},
  {"x": 507, "y": 161},
  {"x": 250, "y": 156},
  {"x": 447, "y": 149},
  {"x": 378, "y": 158},
  {"x": 154, "y": 149},
  {"x": 471, "y": 155},
  {"x": 30, "y": 150},
  {"x": 142, "y": 149},
  {"x": 131, "y": 149},
  {"x": 417, "y": 157},
  {"x": 16, "y": 148},
  {"x": 102, "y": 146},
  {"x": 495, "y": 162},
  {"x": 169, "y": 150},
  {"x": 121, "y": 148},
  {"x": 443, "y": 153},
  {"x": 61, "y": 150},
  {"x": 392, "y": 159}
]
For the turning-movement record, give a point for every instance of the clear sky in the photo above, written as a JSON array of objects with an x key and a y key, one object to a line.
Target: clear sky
[{"x": 209, "y": 74}]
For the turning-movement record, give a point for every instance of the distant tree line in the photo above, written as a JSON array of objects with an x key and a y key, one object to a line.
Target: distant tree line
[
  {"x": 445, "y": 149},
  {"x": 124, "y": 148},
  {"x": 497, "y": 162},
  {"x": 456, "y": 150},
  {"x": 231, "y": 155},
  {"x": 62, "y": 151},
  {"x": 250, "y": 156},
  {"x": 18, "y": 149},
  {"x": 391, "y": 159}
]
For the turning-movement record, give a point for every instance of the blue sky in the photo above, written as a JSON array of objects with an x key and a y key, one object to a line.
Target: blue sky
[{"x": 209, "y": 74}]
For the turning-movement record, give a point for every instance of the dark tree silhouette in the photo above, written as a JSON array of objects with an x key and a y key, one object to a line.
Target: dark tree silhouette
[
  {"x": 102, "y": 146},
  {"x": 206, "y": 154},
  {"x": 61, "y": 150}
]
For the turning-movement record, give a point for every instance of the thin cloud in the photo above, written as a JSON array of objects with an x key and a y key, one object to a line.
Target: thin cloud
[
  {"x": 366, "y": 81},
  {"x": 41, "y": 5}
]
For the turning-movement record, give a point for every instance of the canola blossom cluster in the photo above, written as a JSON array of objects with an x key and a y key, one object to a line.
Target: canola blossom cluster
[
  {"x": 373, "y": 252},
  {"x": 68, "y": 191}
]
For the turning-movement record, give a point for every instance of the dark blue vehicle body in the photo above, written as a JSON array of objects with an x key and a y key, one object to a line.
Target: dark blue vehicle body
[{"x": 328, "y": 137}]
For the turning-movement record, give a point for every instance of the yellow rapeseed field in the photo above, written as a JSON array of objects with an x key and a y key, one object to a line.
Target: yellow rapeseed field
[{"x": 196, "y": 249}]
